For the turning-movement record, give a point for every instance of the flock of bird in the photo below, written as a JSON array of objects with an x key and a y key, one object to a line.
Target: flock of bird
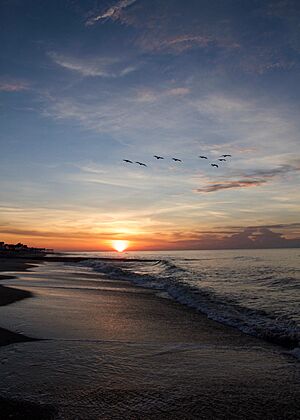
[{"x": 222, "y": 158}]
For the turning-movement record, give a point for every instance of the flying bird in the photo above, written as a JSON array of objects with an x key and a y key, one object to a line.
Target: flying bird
[
  {"x": 127, "y": 161},
  {"x": 176, "y": 160},
  {"x": 141, "y": 164},
  {"x": 226, "y": 156},
  {"x": 222, "y": 160},
  {"x": 202, "y": 157},
  {"x": 158, "y": 157},
  {"x": 214, "y": 164}
]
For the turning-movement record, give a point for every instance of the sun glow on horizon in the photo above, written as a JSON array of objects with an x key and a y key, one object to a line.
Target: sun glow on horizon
[{"x": 120, "y": 245}]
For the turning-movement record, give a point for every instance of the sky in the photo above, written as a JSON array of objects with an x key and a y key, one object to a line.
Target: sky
[{"x": 86, "y": 84}]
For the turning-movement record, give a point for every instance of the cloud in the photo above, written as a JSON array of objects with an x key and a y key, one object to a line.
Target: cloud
[
  {"x": 294, "y": 227},
  {"x": 231, "y": 185},
  {"x": 260, "y": 238},
  {"x": 178, "y": 91},
  {"x": 283, "y": 169},
  {"x": 154, "y": 121},
  {"x": 56, "y": 235},
  {"x": 127, "y": 112},
  {"x": 93, "y": 67},
  {"x": 178, "y": 43},
  {"x": 254, "y": 178},
  {"x": 254, "y": 122},
  {"x": 247, "y": 238},
  {"x": 192, "y": 28},
  {"x": 112, "y": 13},
  {"x": 11, "y": 86},
  {"x": 270, "y": 43},
  {"x": 181, "y": 43},
  {"x": 151, "y": 95}
]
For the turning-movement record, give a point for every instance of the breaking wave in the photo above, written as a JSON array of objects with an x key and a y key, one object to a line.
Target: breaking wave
[{"x": 244, "y": 298}]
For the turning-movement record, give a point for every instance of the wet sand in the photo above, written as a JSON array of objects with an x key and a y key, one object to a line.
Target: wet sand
[
  {"x": 11, "y": 409},
  {"x": 10, "y": 295},
  {"x": 151, "y": 358}
]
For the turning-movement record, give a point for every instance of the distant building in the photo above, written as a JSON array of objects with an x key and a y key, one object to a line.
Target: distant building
[{"x": 20, "y": 249}]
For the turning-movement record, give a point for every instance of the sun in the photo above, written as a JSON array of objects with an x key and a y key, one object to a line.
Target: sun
[{"x": 120, "y": 246}]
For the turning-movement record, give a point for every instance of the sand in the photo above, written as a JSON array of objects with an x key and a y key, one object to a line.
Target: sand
[
  {"x": 161, "y": 360},
  {"x": 10, "y": 295},
  {"x": 11, "y": 409}
]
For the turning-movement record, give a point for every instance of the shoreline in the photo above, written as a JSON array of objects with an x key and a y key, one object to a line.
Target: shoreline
[
  {"x": 11, "y": 408},
  {"x": 23, "y": 263},
  {"x": 9, "y": 295}
]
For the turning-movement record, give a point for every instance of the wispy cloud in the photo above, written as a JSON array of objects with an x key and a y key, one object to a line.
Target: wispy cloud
[
  {"x": 182, "y": 42},
  {"x": 126, "y": 113},
  {"x": 231, "y": 185},
  {"x": 158, "y": 33},
  {"x": 254, "y": 178},
  {"x": 131, "y": 117},
  {"x": 93, "y": 67},
  {"x": 252, "y": 50},
  {"x": 112, "y": 13},
  {"x": 12, "y": 86},
  {"x": 150, "y": 95},
  {"x": 295, "y": 226},
  {"x": 293, "y": 166}
]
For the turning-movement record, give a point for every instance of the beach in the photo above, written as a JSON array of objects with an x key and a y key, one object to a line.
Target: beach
[
  {"x": 112, "y": 350},
  {"x": 13, "y": 409}
]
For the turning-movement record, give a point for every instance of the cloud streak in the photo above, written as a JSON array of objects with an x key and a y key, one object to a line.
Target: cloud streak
[
  {"x": 255, "y": 178},
  {"x": 184, "y": 42},
  {"x": 12, "y": 86},
  {"x": 107, "y": 67},
  {"x": 283, "y": 169},
  {"x": 150, "y": 95},
  {"x": 231, "y": 185},
  {"x": 112, "y": 13}
]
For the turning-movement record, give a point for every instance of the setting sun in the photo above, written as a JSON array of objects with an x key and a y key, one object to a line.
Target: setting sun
[{"x": 120, "y": 246}]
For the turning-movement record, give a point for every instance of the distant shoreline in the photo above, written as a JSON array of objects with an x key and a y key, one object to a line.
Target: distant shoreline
[{"x": 65, "y": 258}]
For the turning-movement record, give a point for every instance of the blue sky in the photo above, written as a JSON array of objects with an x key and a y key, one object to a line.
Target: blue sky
[{"x": 85, "y": 84}]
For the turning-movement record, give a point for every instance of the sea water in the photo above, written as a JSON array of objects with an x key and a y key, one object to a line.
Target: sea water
[{"x": 257, "y": 291}]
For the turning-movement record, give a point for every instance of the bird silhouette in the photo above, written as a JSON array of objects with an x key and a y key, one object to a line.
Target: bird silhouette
[
  {"x": 127, "y": 161},
  {"x": 202, "y": 157},
  {"x": 226, "y": 156},
  {"x": 158, "y": 157},
  {"x": 176, "y": 160},
  {"x": 214, "y": 164},
  {"x": 141, "y": 164},
  {"x": 222, "y": 160}
]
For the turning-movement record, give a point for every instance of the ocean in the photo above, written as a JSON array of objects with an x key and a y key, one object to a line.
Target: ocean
[{"x": 256, "y": 291}]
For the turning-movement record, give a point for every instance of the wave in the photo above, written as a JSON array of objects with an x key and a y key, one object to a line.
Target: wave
[
  {"x": 169, "y": 266},
  {"x": 185, "y": 287},
  {"x": 246, "y": 258}
]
